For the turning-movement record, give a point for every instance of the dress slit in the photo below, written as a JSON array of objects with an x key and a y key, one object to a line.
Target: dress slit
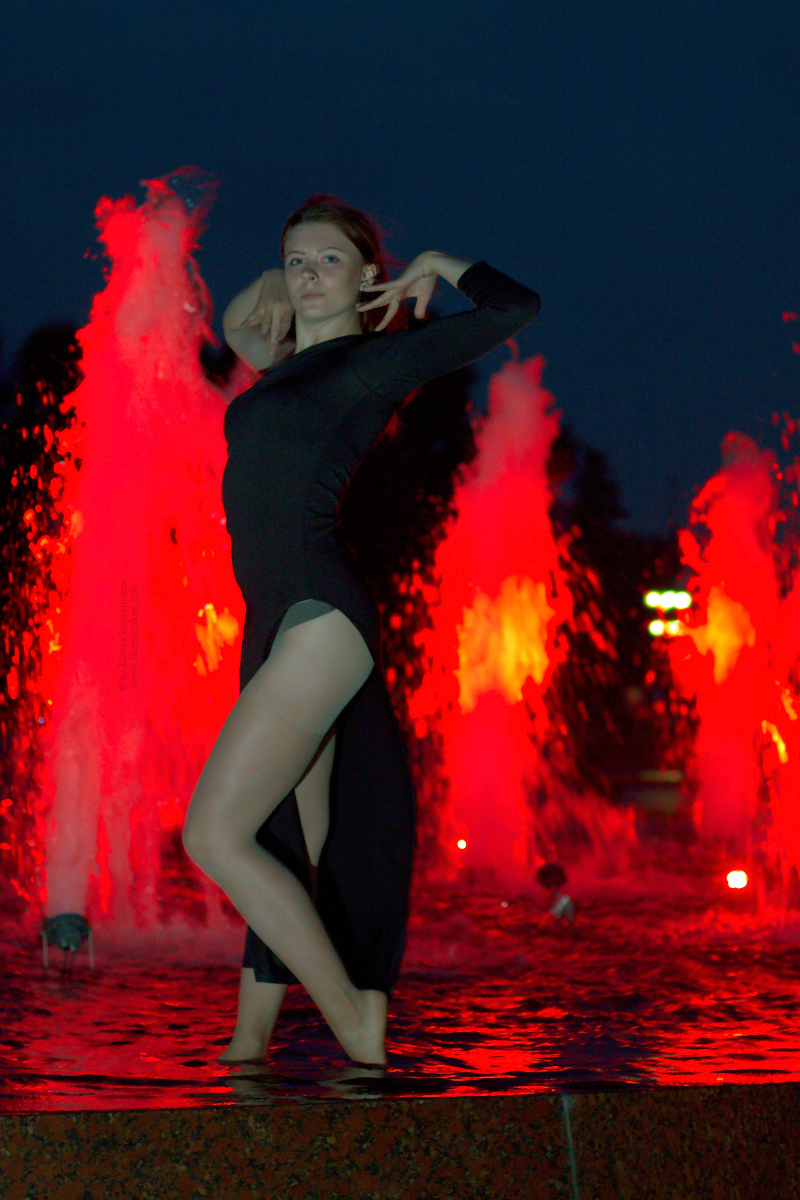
[{"x": 303, "y": 610}]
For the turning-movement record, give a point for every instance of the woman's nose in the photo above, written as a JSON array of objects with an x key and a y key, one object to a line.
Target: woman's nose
[{"x": 309, "y": 271}]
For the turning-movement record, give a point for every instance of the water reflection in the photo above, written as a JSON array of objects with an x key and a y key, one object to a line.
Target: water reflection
[{"x": 655, "y": 983}]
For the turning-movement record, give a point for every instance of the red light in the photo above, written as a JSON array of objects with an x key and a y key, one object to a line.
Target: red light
[{"x": 737, "y": 879}]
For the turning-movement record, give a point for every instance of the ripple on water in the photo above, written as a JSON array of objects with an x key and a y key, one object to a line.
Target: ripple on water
[{"x": 656, "y": 982}]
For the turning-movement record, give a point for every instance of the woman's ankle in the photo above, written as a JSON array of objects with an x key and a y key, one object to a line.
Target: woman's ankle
[
  {"x": 259, "y": 1006},
  {"x": 244, "y": 1047},
  {"x": 251, "y": 1033},
  {"x": 363, "y": 1038}
]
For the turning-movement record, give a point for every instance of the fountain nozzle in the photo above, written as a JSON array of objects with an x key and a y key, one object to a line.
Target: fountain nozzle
[
  {"x": 562, "y": 907},
  {"x": 553, "y": 877},
  {"x": 68, "y": 931}
]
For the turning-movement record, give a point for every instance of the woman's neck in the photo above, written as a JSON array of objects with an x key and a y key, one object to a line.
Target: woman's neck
[{"x": 312, "y": 335}]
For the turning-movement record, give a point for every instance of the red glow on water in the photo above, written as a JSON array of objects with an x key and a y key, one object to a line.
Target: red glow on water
[{"x": 635, "y": 991}]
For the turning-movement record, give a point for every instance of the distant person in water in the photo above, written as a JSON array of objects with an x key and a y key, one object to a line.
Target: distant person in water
[{"x": 304, "y": 813}]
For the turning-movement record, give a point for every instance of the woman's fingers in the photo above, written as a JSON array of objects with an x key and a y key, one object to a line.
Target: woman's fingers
[
  {"x": 253, "y": 318},
  {"x": 394, "y": 304},
  {"x": 384, "y": 288},
  {"x": 272, "y": 314},
  {"x": 273, "y": 321},
  {"x": 389, "y": 295},
  {"x": 396, "y": 290},
  {"x": 423, "y": 290},
  {"x": 366, "y": 305}
]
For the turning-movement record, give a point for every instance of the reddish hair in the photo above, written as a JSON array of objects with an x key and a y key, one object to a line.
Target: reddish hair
[{"x": 365, "y": 235}]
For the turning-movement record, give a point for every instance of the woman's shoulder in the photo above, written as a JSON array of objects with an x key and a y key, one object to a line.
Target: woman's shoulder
[{"x": 376, "y": 347}]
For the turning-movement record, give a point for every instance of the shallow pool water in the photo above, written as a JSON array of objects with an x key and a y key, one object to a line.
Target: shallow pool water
[{"x": 663, "y": 978}]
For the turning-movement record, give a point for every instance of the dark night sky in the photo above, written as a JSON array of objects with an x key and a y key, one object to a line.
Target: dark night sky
[{"x": 636, "y": 163}]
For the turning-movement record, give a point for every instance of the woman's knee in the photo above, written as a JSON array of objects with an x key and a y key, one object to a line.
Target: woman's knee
[
  {"x": 195, "y": 839},
  {"x": 203, "y": 840}
]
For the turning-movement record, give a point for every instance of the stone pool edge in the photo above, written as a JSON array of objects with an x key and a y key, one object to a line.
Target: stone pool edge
[{"x": 736, "y": 1140}]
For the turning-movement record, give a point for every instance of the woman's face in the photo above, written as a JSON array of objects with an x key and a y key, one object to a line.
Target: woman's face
[{"x": 323, "y": 271}]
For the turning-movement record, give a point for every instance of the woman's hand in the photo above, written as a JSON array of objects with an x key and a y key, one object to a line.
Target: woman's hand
[
  {"x": 272, "y": 315},
  {"x": 418, "y": 280},
  {"x": 257, "y": 321}
]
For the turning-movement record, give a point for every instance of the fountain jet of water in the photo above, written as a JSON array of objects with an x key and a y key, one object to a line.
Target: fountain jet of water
[
  {"x": 738, "y": 656},
  {"x": 493, "y": 647},
  {"x": 142, "y": 668}
]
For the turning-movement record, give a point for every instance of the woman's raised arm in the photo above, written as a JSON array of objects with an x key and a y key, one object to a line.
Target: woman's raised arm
[{"x": 395, "y": 363}]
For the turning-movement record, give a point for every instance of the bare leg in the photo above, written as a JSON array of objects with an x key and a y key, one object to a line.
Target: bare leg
[
  {"x": 259, "y": 1003},
  {"x": 313, "y": 797},
  {"x": 257, "y": 759}
]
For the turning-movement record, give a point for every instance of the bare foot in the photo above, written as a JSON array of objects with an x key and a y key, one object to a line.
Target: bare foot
[
  {"x": 244, "y": 1047},
  {"x": 366, "y": 1043}
]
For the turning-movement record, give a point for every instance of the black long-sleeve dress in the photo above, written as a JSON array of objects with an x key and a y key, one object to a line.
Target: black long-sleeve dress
[{"x": 294, "y": 440}]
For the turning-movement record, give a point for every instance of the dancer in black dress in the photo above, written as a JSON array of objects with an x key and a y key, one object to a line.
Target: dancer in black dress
[{"x": 306, "y": 796}]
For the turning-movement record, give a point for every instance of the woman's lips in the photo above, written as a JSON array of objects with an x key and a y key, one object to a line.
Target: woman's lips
[{"x": 310, "y": 295}]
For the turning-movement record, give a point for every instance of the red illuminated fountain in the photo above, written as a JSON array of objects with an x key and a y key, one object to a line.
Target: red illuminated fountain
[
  {"x": 498, "y": 618},
  {"x": 493, "y": 645},
  {"x": 141, "y": 659},
  {"x": 738, "y": 655}
]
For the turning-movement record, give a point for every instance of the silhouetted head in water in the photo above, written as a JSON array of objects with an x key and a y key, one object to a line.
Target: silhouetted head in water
[{"x": 329, "y": 249}]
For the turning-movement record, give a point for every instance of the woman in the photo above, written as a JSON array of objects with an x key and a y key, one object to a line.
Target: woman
[{"x": 313, "y": 707}]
